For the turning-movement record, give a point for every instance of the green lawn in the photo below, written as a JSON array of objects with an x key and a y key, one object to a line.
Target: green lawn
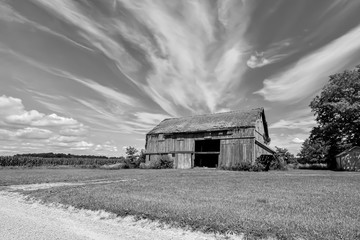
[{"x": 282, "y": 204}]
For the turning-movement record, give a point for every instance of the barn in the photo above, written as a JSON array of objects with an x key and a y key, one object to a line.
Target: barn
[
  {"x": 349, "y": 159},
  {"x": 211, "y": 140}
]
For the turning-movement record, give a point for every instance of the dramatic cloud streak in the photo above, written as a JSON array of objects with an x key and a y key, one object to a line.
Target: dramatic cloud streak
[
  {"x": 310, "y": 73},
  {"x": 93, "y": 76}
]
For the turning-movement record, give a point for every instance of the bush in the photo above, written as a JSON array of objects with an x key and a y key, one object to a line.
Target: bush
[
  {"x": 314, "y": 166},
  {"x": 115, "y": 166},
  {"x": 245, "y": 166},
  {"x": 271, "y": 162},
  {"x": 161, "y": 163},
  {"x": 242, "y": 166},
  {"x": 143, "y": 166}
]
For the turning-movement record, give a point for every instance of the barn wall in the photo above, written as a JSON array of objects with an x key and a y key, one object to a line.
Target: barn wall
[
  {"x": 184, "y": 144},
  {"x": 236, "y": 145},
  {"x": 234, "y": 151},
  {"x": 259, "y": 131},
  {"x": 183, "y": 161}
]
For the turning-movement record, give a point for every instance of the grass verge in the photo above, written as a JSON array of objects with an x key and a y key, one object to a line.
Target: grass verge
[{"x": 285, "y": 205}]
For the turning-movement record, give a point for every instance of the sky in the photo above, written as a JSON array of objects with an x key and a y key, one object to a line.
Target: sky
[{"x": 92, "y": 77}]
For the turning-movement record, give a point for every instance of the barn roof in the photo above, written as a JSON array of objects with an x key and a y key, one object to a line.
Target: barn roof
[
  {"x": 211, "y": 122},
  {"x": 348, "y": 151}
]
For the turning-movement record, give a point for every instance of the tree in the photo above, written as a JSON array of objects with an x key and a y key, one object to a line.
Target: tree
[
  {"x": 337, "y": 112},
  {"x": 312, "y": 152},
  {"x": 131, "y": 151},
  {"x": 132, "y": 157},
  {"x": 284, "y": 154}
]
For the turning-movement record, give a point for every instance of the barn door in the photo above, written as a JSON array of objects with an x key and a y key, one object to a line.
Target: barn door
[
  {"x": 231, "y": 153},
  {"x": 183, "y": 160}
]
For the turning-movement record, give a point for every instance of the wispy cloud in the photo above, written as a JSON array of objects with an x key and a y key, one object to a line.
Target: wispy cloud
[
  {"x": 304, "y": 124},
  {"x": 274, "y": 53},
  {"x": 310, "y": 73},
  {"x": 184, "y": 61}
]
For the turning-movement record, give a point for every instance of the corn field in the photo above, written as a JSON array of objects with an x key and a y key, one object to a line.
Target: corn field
[{"x": 30, "y": 161}]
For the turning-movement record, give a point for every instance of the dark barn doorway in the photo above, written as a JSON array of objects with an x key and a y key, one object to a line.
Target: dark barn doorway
[{"x": 207, "y": 153}]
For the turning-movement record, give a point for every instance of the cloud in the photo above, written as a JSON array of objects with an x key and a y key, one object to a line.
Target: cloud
[
  {"x": 83, "y": 145},
  {"x": 78, "y": 130},
  {"x": 310, "y": 73},
  {"x": 12, "y": 112},
  {"x": 297, "y": 140},
  {"x": 33, "y": 133},
  {"x": 54, "y": 120},
  {"x": 292, "y": 142},
  {"x": 274, "y": 53},
  {"x": 25, "y": 118},
  {"x": 257, "y": 60},
  {"x": 302, "y": 123},
  {"x": 107, "y": 146},
  {"x": 183, "y": 63},
  {"x": 10, "y": 105}
]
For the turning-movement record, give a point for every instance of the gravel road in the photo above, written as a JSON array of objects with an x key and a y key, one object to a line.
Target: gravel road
[{"x": 24, "y": 219}]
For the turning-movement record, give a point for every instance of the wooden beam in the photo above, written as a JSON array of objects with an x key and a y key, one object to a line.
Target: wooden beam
[{"x": 207, "y": 152}]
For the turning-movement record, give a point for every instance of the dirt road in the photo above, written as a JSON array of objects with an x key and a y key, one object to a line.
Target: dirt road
[{"x": 24, "y": 219}]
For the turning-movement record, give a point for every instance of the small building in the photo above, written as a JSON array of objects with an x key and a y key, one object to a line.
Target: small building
[
  {"x": 349, "y": 159},
  {"x": 211, "y": 140}
]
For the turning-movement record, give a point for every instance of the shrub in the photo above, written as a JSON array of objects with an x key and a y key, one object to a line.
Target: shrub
[
  {"x": 314, "y": 166},
  {"x": 242, "y": 166},
  {"x": 162, "y": 162},
  {"x": 257, "y": 167},
  {"x": 143, "y": 166},
  {"x": 271, "y": 162}
]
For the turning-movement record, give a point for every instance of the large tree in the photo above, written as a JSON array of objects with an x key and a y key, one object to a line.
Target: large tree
[
  {"x": 312, "y": 151},
  {"x": 337, "y": 111}
]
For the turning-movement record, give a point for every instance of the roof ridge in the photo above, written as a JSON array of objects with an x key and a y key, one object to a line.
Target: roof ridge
[{"x": 218, "y": 113}]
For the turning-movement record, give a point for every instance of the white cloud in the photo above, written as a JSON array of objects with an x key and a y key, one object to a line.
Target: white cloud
[
  {"x": 33, "y": 133},
  {"x": 290, "y": 141},
  {"x": 150, "y": 118},
  {"x": 303, "y": 123},
  {"x": 274, "y": 53},
  {"x": 26, "y": 117},
  {"x": 311, "y": 72},
  {"x": 78, "y": 130},
  {"x": 257, "y": 60},
  {"x": 297, "y": 140},
  {"x": 54, "y": 120},
  {"x": 83, "y": 145},
  {"x": 189, "y": 69},
  {"x": 10, "y": 105}
]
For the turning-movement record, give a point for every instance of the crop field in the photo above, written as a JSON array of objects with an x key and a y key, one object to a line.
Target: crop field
[{"x": 294, "y": 204}]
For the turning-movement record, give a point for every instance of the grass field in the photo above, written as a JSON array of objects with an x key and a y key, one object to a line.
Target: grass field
[{"x": 285, "y": 205}]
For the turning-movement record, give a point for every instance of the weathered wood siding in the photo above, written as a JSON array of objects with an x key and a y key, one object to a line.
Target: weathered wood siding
[
  {"x": 259, "y": 131},
  {"x": 234, "y": 151},
  {"x": 183, "y": 160},
  {"x": 236, "y": 145},
  {"x": 349, "y": 161},
  {"x": 184, "y": 145}
]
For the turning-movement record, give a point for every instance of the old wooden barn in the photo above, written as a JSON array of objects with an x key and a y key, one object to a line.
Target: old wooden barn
[
  {"x": 211, "y": 140},
  {"x": 349, "y": 159}
]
